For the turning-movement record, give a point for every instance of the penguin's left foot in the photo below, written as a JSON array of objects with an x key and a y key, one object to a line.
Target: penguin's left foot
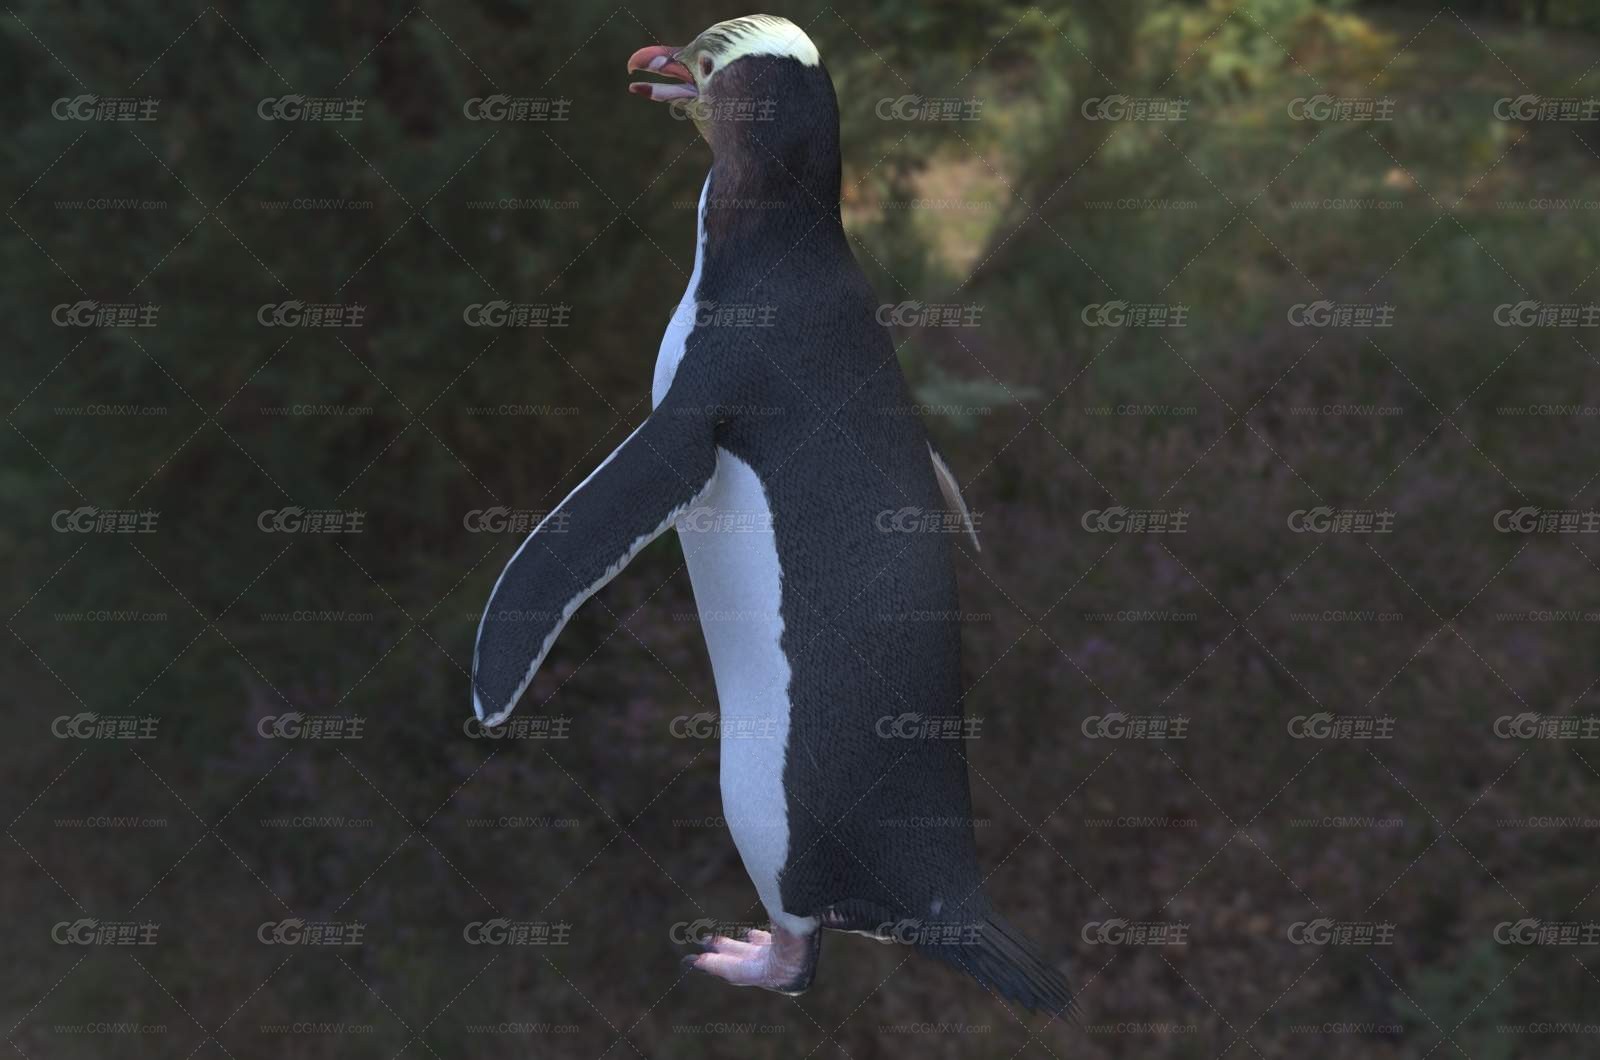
[{"x": 775, "y": 960}]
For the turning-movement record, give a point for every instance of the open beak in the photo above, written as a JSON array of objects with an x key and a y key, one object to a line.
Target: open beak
[{"x": 661, "y": 59}]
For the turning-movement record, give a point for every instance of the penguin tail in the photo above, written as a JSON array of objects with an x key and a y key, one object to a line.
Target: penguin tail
[{"x": 993, "y": 953}]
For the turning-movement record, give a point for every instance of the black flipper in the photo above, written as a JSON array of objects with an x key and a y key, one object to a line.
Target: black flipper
[{"x": 625, "y": 503}]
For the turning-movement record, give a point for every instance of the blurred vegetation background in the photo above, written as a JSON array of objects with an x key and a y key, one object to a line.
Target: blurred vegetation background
[{"x": 1027, "y": 214}]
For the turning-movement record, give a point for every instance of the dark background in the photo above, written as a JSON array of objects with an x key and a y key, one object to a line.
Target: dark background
[{"x": 1439, "y": 833}]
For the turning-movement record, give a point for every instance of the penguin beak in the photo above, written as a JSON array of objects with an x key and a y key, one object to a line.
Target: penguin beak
[{"x": 661, "y": 59}]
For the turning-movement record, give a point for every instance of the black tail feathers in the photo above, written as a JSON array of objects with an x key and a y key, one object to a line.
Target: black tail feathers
[{"x": 994, "y": 954}]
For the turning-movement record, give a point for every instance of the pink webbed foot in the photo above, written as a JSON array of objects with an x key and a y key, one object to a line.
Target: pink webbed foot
[{"x": 775, "y": 960}]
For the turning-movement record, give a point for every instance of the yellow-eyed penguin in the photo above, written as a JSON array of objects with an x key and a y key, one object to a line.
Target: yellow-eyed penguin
[{"x": 784, "y": 446}]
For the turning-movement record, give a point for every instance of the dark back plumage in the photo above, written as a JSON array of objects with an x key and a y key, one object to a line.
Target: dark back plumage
[{"x": 879, "y": 806}]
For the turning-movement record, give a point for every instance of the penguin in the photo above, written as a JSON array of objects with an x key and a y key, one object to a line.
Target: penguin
[{"x": 819, "y": 526}]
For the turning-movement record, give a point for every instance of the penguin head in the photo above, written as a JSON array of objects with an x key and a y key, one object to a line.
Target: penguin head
[{"x": 755, "y": 88}]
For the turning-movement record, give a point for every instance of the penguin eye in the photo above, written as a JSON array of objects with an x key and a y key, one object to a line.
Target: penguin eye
[{"x": 705, "y": 66}]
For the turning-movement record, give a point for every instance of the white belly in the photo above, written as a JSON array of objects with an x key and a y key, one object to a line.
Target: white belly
[
  {"x": 733, "y": 564},
  {"x": 682, "y": 322},
  {"x": 729, "y": 547}
]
